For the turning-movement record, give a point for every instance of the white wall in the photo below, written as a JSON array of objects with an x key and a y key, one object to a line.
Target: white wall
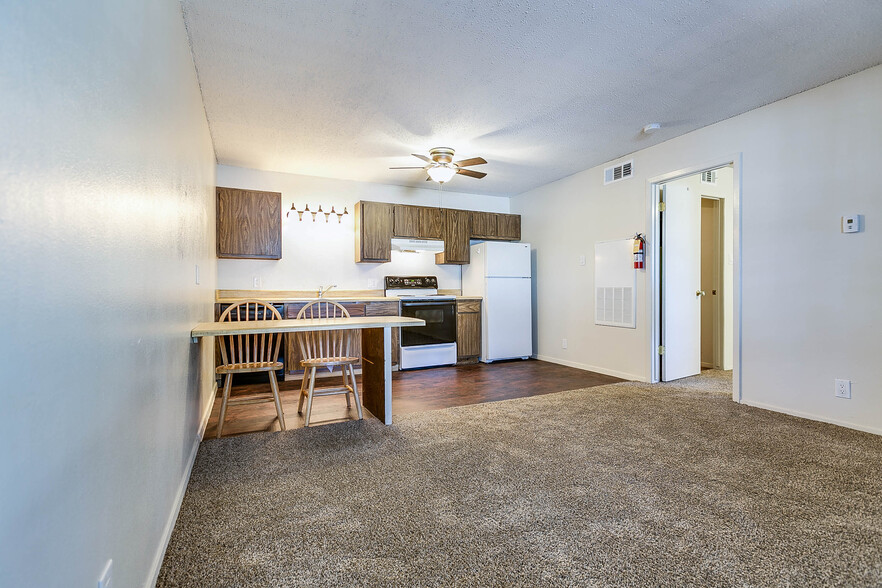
[
  {"x": 810, "y": 310},
  {"x": 107, "y": 205},
  {"x": 319, "y": 253},
  {"x": 723, "y": 189}
]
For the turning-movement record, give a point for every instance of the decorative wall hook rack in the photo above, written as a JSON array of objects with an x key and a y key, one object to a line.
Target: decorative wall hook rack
[{"x": 314, "y": 213}]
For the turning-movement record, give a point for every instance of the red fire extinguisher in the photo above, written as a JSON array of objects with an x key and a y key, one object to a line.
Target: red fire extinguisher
[{"x": 639, "y": 250}]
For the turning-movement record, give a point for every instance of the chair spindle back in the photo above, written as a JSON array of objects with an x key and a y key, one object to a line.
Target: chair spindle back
[
  {"x": 257, "y": 348},
  {"x": 324, "y": 344}
]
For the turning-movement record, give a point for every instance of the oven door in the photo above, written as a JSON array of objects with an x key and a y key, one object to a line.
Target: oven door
[{"x": 440, "y": 327}]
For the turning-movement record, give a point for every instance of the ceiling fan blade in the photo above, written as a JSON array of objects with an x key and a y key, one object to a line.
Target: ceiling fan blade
[
  {"x": 414, "y": 167},
  {"x": 423, "y": 157},
  {"x": 471, "y": 173},
  {"x": 472, "y": 161}
]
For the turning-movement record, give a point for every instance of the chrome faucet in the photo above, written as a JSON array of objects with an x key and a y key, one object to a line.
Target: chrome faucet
[{"x": 323, "y": 290}]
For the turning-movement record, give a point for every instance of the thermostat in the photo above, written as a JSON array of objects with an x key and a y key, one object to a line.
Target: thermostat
[{"x": 851, "y": 223}]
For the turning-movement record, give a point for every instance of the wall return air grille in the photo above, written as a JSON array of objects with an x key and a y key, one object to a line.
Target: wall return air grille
[
  {"x": 614, "y": 307},
  {"x": 615, "y": 173},
  {"x": 709, "y": 177}
]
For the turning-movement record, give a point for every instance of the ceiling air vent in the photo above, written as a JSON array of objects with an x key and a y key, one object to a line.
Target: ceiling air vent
[
  {"x": 709, "y": 177},
  {"x": 614, "y": 173}
]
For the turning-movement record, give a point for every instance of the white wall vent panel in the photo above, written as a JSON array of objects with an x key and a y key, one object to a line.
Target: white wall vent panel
[
  {"x": 709, "y": 177},
  {"x": 615, "y": 282},
  {"x": 614, "y": 307},
  {"x": 615, "y": 173}
]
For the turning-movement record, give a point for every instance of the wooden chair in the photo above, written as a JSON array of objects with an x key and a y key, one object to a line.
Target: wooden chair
[
  {"x": 250, "y": 353},
  {"x": 327, "y": 349}
]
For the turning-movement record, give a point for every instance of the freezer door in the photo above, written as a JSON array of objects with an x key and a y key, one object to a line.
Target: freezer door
[
  {"x": 506, "y": 260},
  {"x": 507, "y": 319}
]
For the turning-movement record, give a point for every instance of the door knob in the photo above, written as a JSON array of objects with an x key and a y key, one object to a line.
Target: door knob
[{"x": 699, "y": 292}]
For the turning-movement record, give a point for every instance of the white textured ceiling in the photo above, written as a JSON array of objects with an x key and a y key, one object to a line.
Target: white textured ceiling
[{"x": 346, "y": 89}]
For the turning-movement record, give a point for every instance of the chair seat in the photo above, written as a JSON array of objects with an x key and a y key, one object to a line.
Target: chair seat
[
  {"x": 323, "y": 361},
  {"x": 262, "y": 366}
]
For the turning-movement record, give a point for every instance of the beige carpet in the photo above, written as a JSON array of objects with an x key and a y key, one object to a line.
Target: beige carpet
[{"x": 620, "y": 485}]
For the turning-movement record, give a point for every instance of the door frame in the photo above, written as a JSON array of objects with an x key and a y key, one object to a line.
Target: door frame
[{"x": 653, "y": 308}]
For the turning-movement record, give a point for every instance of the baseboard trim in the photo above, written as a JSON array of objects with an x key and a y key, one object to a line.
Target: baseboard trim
[
  {"x": 812, "y": 417},
  {"x": 206, "y": 415},
  {"x": 592, "y": 368},
  {"x": 182, "y": 488}
]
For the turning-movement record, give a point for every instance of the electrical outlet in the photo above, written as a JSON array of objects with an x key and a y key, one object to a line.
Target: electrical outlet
[
  {"x": 843, "y": 389},
  {"x": 563, "y": 343},
  {"x": 581, "y": 260},
  {"x": 106, "y": 578},
  {"x": 372, "y": 284},
  {"x": 256, "y": 281}
]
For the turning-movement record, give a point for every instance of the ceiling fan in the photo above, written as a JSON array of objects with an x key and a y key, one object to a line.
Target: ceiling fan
[{"x": 441, "y": 167}]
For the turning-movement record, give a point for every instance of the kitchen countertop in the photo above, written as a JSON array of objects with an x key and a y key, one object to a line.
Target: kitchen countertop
[
  {"x": 234, "y": 296},
  {"x": 301, "y": 325}
]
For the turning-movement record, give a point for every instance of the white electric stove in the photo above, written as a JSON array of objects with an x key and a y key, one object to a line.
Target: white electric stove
[{"x": 433, "y": 344}]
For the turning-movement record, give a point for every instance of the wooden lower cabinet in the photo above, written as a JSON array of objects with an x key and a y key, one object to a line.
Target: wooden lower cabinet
[
  {"x": 387, "y": 309},
  {"x": 468, "y": 331},
  {"x": 379, "y": 308}
]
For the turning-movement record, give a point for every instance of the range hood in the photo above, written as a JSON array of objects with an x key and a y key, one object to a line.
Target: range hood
[{"x": 431, "y": 246}]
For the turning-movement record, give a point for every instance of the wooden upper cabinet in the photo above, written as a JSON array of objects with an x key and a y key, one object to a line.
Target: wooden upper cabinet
[
  {"x": 508, "y": 227},
  {"x": 406, "y": 221},
  {"x": 373, "y": 232},
  {"x": 377, "y": 222},
  {"x": 456, "y": 237},
  {"x": 431, "y": 222},
  {"x": 483, "y": 225},
  {"x": 249, "y": 224},
  {"x": 417, "y": 222}
]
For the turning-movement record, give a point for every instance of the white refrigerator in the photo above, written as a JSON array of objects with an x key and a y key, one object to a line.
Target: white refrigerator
[{"x": 500, "y": 273}]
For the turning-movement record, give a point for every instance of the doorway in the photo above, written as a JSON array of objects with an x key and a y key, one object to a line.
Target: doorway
[
  {"x": 693, "y": 266},
  {"x": 712, "y": 318}
]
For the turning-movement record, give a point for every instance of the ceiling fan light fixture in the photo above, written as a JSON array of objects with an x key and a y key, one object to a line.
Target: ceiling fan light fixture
[{"x": 441, "y": 173}]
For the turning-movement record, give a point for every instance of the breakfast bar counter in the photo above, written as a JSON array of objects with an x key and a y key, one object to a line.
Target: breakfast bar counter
[{"x": 376, "y": 374}]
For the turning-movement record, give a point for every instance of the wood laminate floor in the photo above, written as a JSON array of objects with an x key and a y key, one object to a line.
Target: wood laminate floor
[{"x": 412, "y": 391}]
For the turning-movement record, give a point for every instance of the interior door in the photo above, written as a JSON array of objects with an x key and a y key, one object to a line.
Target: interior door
[{"x": 681, "y": 282}]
